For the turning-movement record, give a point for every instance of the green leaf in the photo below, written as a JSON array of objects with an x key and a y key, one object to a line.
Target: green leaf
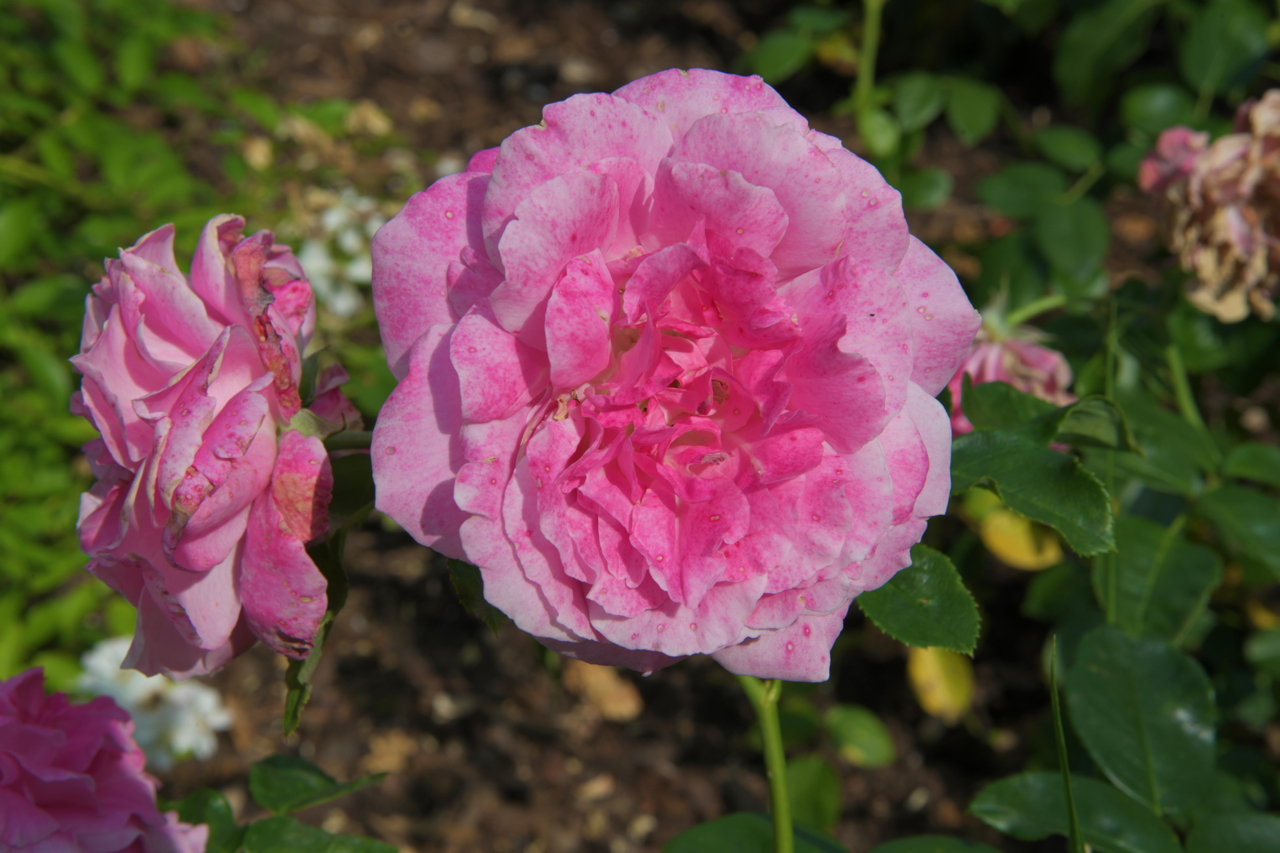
[
  {"x": 1098, "y": 44},
  {"x": 1163, "y": 582},
  {"x": 933, "y": 844},
  {"x": 1223, "y": 46},
  {"x": 925, "y": 189},
  {"x": 918, "y": 98},
  {"x": 973, "y": 109},
  {"x": 1245, "y": 833},
  {"x": 259, "y": 106},
  {"x": 1262, "y": 651},
  {"x": 1156, "y": 106},
  {"x": 781, "y": 53},
  {"x": 998, "y": 405},
  {"x": 211, "y": 807},
  {"x": 925, "y": 604},
  {"x": 1248, "y": 520},
  {"x": 1097, "y": 422},
  {"x": 1074, "y": 237},
  {"x": 1042, "y": 484},
  {"x": 1030, "y": 806},
  {"x": 1145, "y": 712},
  {"x": 19, "y": 222},
  {"x": 1070, "y": 147},
  {"x": 1254, "y": 461},
  {"x": 817, "y": 20},
  {"x": 745, "y": 832},
  {"x": 287, "y": 835},
  {"x": 814, "y": 789},
  {"x": 135, "y": 62},
  {"x": 1174, "y": 453},
  {"x": 879, "y": 131},
  {"x": 79, "y": 63},
  {"x": 860, "y": 736},
  {"x": 1020, "y": 190},
  {"x": 283, "y": 784},
  {"x": 469, "y": 585}
]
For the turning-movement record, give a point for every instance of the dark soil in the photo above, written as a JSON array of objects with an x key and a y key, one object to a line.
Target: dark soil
[{"x": 485, "y": 748}]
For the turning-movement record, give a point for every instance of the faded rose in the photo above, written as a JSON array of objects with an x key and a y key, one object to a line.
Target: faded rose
[
  {"x": 72, "y": 779},
  {"x": 1222, "y": 209},
  {"x": 205, "y": 497},
  {"x": 1031, "y": 368},
  {"x": 667, "y": 365}
]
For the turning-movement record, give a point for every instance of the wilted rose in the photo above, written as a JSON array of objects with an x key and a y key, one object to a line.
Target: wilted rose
[
  {"x": 1222, "y": 209},
  {"x": 667, "y": 365},
  {"x": 72, "y": 779},
  {"x": 205, "y": 495}
]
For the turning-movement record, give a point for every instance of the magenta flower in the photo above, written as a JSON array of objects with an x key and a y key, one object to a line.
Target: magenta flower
[
  {"x": 667, "y": 365},
  {"x": 205, "y": 496},
  {"x": 72, "y": 779},
  {"x": 1031, "y": 368}
]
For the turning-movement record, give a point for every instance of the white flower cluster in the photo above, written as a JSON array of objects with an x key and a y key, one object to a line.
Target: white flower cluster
[
  {"x": 173, "y": 721},
  {"x": 335, "y": 252}
]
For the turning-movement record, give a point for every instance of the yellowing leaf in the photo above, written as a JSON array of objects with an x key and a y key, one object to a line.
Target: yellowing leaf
[
  {"x": 1019, "y": 542},
  {"x": 1260, "y": 616},
  {"x": 942, "y": 681}
]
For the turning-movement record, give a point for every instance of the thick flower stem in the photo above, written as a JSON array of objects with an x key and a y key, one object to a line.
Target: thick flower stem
[
  {"x": 764, "y": 698},
  {"x": 870, "y": 45},
  {"x": 1034, "y": 309},
  {"x": 348, "y": 441}
]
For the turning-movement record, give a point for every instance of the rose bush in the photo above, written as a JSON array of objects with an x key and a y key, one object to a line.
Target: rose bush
[
  {"x": 666, "y": 372},
  {"x": 205, "y": 495},
  {"x": 72, "y": 779},
  {"x": 1014, "y": 358}
]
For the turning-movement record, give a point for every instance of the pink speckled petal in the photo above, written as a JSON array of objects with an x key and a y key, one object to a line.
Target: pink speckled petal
[
  {"x": 800, "y": 652},
  {"x": 411, "y": 257},
  {"x": 908, "y": 461},
  {"x": 745, "y": 215},
  {"x": 870, "y": 495},
  {"x": 497, "y": 373},
  {"x": 283, "y": 591},
  {"x": 417, "y": 449},
  {"x": 568, "y": 216},
  {"x": 679, "y": 98},
  {"x": 580, "y": 316},
  {"x": 574, "y": 134},
  {"x": 802, "y": 177},
  {"x": 935, "y": 431},
  {"x": 943, "y": 322},
  {"x": 875, "y": 227},
  {"x": 892, "y": 554},
  {"x": 203, "y": 606},
  {"x": 177, "y": 323},
  {"x": 675, "y": 630},
  {"x": 655, "y": 278},
  {"x": 211, "y": 274},
  {"x": 158, "y": 648}
]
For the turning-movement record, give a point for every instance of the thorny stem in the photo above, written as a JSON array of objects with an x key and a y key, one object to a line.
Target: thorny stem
[
  {"x": 870, "y": 44},
  {"x": 764, "y": 698}
]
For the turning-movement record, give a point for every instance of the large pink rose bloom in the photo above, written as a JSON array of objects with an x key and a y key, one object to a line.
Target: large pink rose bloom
[
  {"x": 1031, "y": 368},
  {"x": 204, "y": 501},
  {"x": 72, "y": 779},
  {"x": 667, "y": 365}
]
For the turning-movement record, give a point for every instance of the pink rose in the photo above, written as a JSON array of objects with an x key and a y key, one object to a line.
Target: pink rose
[
  {"x": 667, "y": 365},
  {"x": 205, "y": 496},
  {"x": 1029, "y": 367},
  {"x": 72, "y": 779}
]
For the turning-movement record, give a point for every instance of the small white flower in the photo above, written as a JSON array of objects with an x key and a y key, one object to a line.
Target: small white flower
[{"x": 172, "y": 721}]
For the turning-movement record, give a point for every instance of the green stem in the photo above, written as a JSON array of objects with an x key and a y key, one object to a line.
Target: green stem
[
  {"x": 764, "y": 698},
  {"x": 1081, "y": 186},
  {"x": 349, "y": 440},
  {"x": 870, "y": 45},
  {"x": 1034, "y": 309},
  {"x": 1074, "y": 835},
  {"x": 1182, "y": 387},
  {"x": 1109, "y": 388}
]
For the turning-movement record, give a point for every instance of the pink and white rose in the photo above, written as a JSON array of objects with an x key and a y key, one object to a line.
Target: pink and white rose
[
  {"x": 667, "y": 364},
  {"x": 205, "y": 495},
  {"x": 72, "y": 779},
  {"x": 1021, "y": 362}
]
